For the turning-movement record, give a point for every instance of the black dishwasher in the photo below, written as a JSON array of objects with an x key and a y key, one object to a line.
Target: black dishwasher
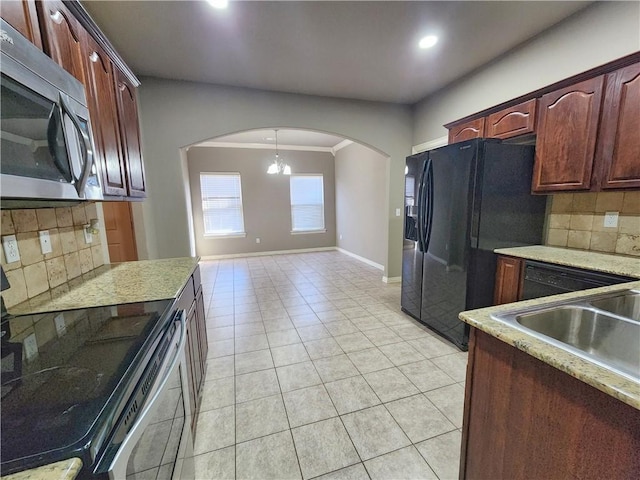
[{"x": 544, "y": 279}]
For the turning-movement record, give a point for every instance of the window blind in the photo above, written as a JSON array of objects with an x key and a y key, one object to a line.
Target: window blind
[
  {"x": 221, "y": 203},
  {"x": 307, "y": 203}
]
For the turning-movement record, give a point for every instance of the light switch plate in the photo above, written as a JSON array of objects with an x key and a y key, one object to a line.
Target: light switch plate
[
  {"x": 61, "y": 327},
  {"x": 398, "y": 210},
  {"x": 30, "y": 346},
  {"x": 88, "y": 237},
  {"x": 10, "y": 246},
  {"x": 611, "y": 219},
  {"x": 45, "y": 242}
]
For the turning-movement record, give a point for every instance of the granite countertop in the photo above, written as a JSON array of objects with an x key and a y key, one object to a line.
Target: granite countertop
[
  {"x": 601, "y": 262},
  {"x": 116, "y": 283},
  {"x": 617, "y": 386},
  {"x": 64, "y": 470}
]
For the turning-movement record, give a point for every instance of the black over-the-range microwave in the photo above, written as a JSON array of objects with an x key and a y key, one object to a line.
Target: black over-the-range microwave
[{"x": 46, "y": 142}]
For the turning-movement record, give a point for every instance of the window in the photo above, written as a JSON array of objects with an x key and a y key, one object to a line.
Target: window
[
  {"x": 221, "y": 204},
  {"x": 307, "y": 203},
  {"x": 409, "y": 190}
]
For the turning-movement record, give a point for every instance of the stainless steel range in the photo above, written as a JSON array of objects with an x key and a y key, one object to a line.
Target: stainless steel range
[{"x": 106, "y": 385}]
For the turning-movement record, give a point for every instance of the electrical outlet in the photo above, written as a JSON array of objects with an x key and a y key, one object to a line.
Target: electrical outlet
[
  {"x": 257, "y": 239},
  {"x": 30, "y": 346},
  {"x": 61, "y": 327},
  {"x": 88, "y": 237},
  {"x": 10, "y": 245},
  {"x": 611, "y": 219},
  {"x": 45, "y": 242}
]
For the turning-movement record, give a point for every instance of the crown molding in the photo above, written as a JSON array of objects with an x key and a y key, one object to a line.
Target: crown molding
[
  {"x": 430, "y": 145},
  {"x": 264, "y": 146},
  {"x": 345, "y": 143}
]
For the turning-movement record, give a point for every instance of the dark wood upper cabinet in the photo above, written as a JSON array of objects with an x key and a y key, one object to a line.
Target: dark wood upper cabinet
[
  {"x": 513, "y": 121},
  {"x": 130, "y": 134},
  {"x": 508, "y": 286},
  {"x": 467, "y": 131},
  {"x": 68, "y": 35},
  {"x": 566, "y": 137},
  {"x": 102, "y": 109},
  {"x": 63, "y": 37},
  {"x": 23, "y": 16},
  {"x": 618, "y": 154}
]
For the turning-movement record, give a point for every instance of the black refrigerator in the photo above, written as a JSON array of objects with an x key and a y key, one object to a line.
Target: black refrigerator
[{"x": 462, "y": 201}]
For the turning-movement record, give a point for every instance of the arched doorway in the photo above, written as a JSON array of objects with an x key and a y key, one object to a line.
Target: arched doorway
[{"x": 353, "y": 176}]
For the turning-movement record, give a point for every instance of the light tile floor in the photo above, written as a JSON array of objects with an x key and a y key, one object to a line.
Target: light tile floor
[{"x": 314, "y": 372}]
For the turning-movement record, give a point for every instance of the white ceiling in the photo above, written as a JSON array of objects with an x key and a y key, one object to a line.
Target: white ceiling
[{"x": 358, "y": 49}]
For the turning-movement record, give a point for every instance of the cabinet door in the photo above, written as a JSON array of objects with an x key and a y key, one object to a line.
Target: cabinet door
[
  {"x": 194, "y": 341},
  {"x": 508, "y": 280},
  {"x": 513, "y": 121},
  {"x": 102, "y": 108},
  {"x": 130, "y": 134},
  {"x": 202, "y": 330},
  {"x": 22, "y": 16},
  {"x": 619, "y": 148},
  {"x": 566, "y": 137},
  {"x": 467, "y": 131},
  {"x": 191, "y": 355},
  {"x": 63, "y": 37}
]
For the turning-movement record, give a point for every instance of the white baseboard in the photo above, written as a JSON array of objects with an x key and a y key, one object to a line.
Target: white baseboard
[
  {"x": 391, "y": 279},
  {"x": 362, "y": 259},
  {"x": 263, "y": 254}
]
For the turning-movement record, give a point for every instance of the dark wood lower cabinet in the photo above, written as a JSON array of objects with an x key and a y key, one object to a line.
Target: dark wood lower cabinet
[
  {"x": 508, "y": 280},
  {"x": 524, "y": 419},
  {"x": 191, "y": 300}
]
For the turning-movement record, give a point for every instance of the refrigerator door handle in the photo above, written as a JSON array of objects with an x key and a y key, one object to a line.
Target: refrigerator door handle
[
  {"x": 421, "y": 210},
  {"x": 429, "y": 200}
]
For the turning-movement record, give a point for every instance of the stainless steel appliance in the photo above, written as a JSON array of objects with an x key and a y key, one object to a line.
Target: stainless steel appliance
[
  {"x": 462, "y": 201},
  {"x": 107, "y": 385},
  {"x": 47, "y": 148},
  {"x": 544, "y": 279}
]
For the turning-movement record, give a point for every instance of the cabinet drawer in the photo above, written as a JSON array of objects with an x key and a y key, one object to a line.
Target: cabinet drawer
[
  {"x": 467, "y": 131},
  {"x": 513, "y": 121}
]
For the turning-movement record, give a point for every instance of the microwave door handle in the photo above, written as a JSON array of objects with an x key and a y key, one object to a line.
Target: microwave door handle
[{"x": 87, "y": 150}]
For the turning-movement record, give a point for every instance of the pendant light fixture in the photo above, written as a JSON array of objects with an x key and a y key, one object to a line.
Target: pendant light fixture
[{"x": 278, "y": 167}]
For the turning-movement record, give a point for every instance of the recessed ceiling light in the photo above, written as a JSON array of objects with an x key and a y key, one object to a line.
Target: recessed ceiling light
[
  {"x": 219, "y": 4},
  {"x": 428, "y": 41}
]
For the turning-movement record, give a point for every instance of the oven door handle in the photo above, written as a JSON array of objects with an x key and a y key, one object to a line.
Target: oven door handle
[
  {"x": 87, "y": 151},
  {"x": 118, "y": 467}
]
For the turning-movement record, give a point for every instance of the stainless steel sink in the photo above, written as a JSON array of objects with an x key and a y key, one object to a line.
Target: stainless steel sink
[
  {"x": 625, "y": 305},
  {"x": 613, "y": 340},
  {"x": 596, "y": 328}
]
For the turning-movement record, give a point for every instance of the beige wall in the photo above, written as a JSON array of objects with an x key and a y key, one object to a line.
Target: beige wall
[
  {"x": 361, "y": 179},
  {"x": 577, "y": 221},
  {"x": 36, "y": 274},
  {"x": 265, "y": 199},
  {"x": 602, "y": 32},
  {"x": 178, "y": 114}
]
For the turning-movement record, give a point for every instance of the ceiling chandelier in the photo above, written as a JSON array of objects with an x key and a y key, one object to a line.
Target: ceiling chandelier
[{"x": 278, "y": 166}]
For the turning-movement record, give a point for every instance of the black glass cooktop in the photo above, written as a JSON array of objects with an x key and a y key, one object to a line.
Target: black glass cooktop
[{"x": 64, "y": 375}]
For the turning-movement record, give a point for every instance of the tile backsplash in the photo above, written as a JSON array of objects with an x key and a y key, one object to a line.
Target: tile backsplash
[
  {"x": 35, "y": 274},
  {"x": 576, "y": 220}
]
